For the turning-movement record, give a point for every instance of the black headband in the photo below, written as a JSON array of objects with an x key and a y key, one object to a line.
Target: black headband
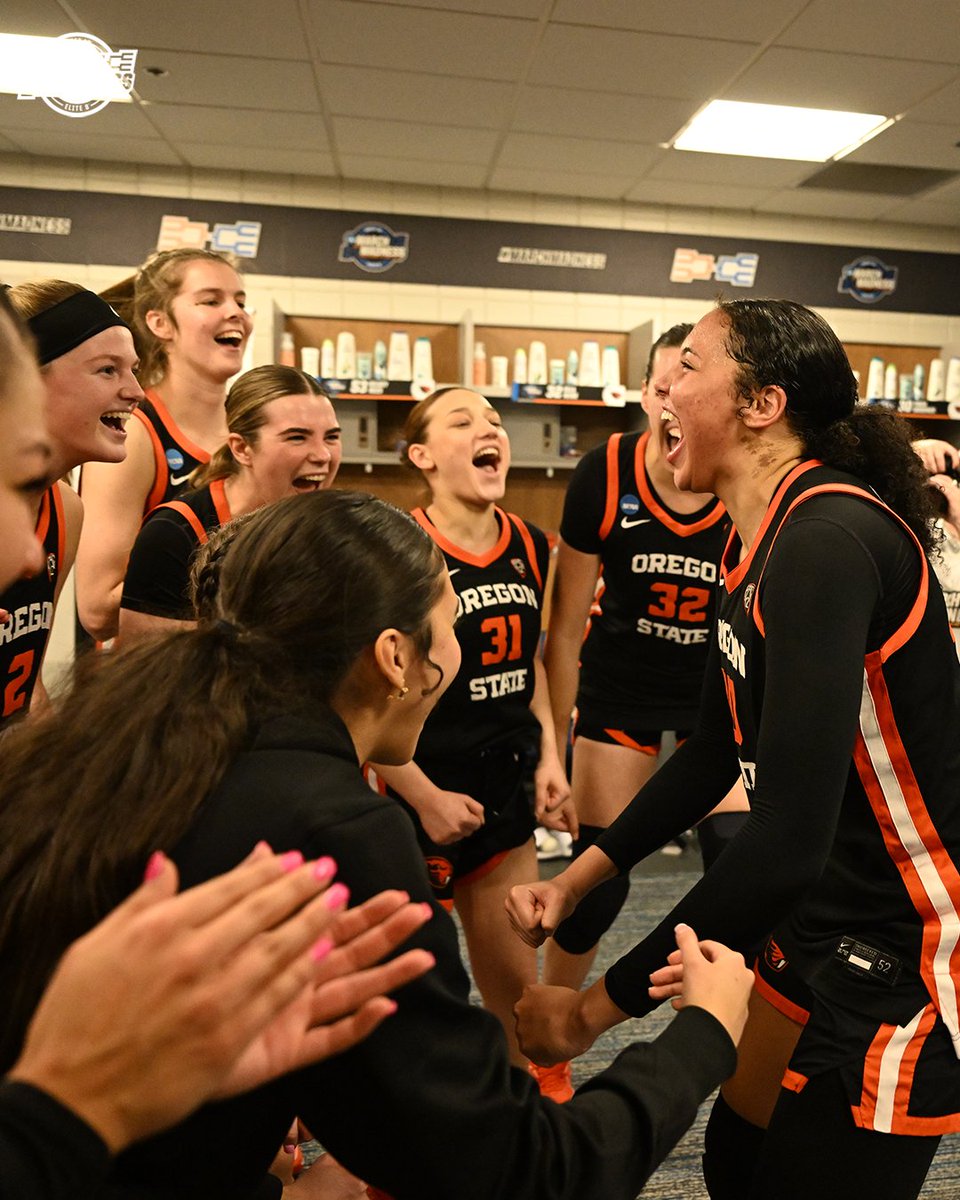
[{"x": 66, "y": 325}]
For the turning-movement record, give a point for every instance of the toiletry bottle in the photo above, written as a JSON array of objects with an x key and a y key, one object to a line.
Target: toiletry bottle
[
  {"x": 328, "y": 359},
  {"x": 573, "y": 367},
  {"x": 422, "y": 360},
  {"x": 558, "y": 369},
  {"x": 288, "y": 351},
  {"x": 364, "y": 364},
  {"x": 398, "y": 359},
  {"x": 953, "y": 381},
  {"x": 537, "y": 363},
  {"x": 875, "y": 380},
  {"x": 918, "y": 374},
  {"x": 380, "y": 359},
  {"x": 310, "y": 360},
  {"x": 499, "y": 365},
  {"x": 346, "y": 355},
  {"x": 479, "y": 365},
  {"x": 610, "y": 373},
  {"x": 891, "y": 382},
  {"x": 590, "y": 364},
  {"x": 936, "y": 381},
  {"x": 520, "y": 366}
]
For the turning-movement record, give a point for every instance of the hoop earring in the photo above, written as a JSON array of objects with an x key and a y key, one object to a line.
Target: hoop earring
[{"x": 400, "y": 694}]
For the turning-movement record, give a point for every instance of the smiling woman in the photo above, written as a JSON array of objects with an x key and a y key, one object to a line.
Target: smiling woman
[
  {"x": 87, "y": 357},
  {"x": 192, "y": 325},
  {"x": 283, "y": 440}
]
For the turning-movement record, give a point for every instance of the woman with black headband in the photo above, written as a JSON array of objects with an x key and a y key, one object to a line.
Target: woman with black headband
[{"x": 87, "y": 358}]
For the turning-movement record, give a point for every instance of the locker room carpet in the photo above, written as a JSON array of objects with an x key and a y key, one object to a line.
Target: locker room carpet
[{"x": 655, "y": 887}]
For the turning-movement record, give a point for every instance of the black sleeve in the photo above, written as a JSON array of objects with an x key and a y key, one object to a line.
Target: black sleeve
[
  {"x": 158, "y": 573},
  {"x": 585, "y": 501},
  {"x": 541, "y": 550},
  {"x": 46, "y": 1151},
  {"x": 819, "y": 595}
]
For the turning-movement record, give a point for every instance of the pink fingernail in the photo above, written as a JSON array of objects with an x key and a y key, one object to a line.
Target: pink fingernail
[
  {"x": 291, "y": 860},
  {"x": 324, "y": 868},
  {"x": 321, "y": 949},
  {"x": 339, "y": 894},
  {"x": 393, "y": 1008},
  {"x": 154, "y": 865},
  {"x": 427, "y": 908}
]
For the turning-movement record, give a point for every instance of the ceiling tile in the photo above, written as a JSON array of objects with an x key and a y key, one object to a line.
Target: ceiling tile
[
  {"x": 751, "y": 20},
  {"x": 607, "y": 60},
  {"x": 407, "y": 96},
  {"x": 600, "y": 114},
  {"x": 926, "y": 212},
  {"x": 74, "y": 143},
  {"x": 842, "y": 81},
  {"x": 536, "y": 151},
  {"x": 561, "y": 183},
  {"x": 822, "y": 203},
  {"x": 735, "y": 170},
  {"x": 282, "y": 160},
  {"x": 400, "y": 139},
  {"x": 242, "y": 27},
  {"x": 912, "y": 144},
  {"x": 221, "y": 80},
  {"x": 882, "y": 27},
  {"x": 696, "y": 195},
  {"x": 497, "y": 8},
  {"x": 39, "y": 18},
  {"x": 201, "y": 125},
  {"x": 384, "y": 35},
  {"x": 116, "y": 120},
  {"x": 942, "y": 107},
  {"x": 404, "y": 170}
]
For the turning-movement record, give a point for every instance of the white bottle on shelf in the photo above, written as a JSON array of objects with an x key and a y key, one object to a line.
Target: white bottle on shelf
[
  {"x": 288, "y": 350},
  {"x": 875, "y": 380},
  {"x": 499, "y": 366},
  {"x": 610, "y": 367},
  {"x": 537, "y": 369},
  {"x": 918, "y": 378},
  {"x": 935, "y": 383},
  {"x": 422, "y": 360},
  {"x": 328, "y": 359},
  {"x": 480, "y": 365},
  {"x": 590, "y": 364},
  {"x": 520, "y": 366},
  {"x": 398, "y": 358},
  {"x": 346, "y": 355},
  {"x": 310, "y": 360},
  {"x": 573, "y": 367},
  {"x": 380, "y": 359},
  {"x": 953, "y": 381},
  {"x": 891, "y": 382}
]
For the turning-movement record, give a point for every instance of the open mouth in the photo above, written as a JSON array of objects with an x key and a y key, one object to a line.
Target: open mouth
[
  {"x": 116, "y": 420},
  {"x": 670, "y": 433},
  {"x": 231, "y": 337},
  {"x": 310, "y": 483},
  {"x": 487, "y": 459}
]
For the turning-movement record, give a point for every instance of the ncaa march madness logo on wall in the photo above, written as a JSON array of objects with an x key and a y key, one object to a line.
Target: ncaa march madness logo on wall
[{"x": 121, "y": 62}]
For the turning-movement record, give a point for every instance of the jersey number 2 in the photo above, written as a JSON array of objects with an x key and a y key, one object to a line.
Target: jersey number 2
[
  {"x": 505, "y": 635},
  {"x": 14, "y": 694}
]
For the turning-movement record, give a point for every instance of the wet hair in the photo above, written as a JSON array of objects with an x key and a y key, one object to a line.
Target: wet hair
[
  {"x": 156, "y": 286},
  {"x": 246, "y": 407},
  {"x": 418, "y": 419},
  {"x": 781, "y": 343},
  {"x": 676, "y": 335},
  {"x": 122, "y": 764}
]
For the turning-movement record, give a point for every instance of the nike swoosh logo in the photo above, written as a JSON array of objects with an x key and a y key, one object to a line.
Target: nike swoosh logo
[
  {"x": 626, "y": 524},
  {"x": 176, "y": 480},
  {"x": 453, "y": 572}
]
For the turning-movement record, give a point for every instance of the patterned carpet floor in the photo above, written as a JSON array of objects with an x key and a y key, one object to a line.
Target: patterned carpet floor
[{"x": 656, "y": 885}]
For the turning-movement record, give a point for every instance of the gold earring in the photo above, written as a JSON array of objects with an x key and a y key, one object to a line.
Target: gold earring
[{"x": 400, "y": 694}]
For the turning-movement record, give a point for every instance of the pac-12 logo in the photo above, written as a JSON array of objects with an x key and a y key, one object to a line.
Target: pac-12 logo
[
  {"x": 690, "y": 266},
  {"x": 374, "y": 247}
]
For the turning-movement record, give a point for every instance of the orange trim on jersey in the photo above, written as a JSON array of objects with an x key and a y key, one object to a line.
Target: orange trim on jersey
[
  {"x": 889, "y": 1069},
  {"x": 527, "y": 540},
  {"x": 161, "y": 474},
  {"x": 42, "y": 527},
  {"x": 624, "y": 739},
  {"x": 715, "y": 513},
  {"x": 57, "y": 497},
  {"x": 479, "y": 872},
  {"x": 793, "y": 1081},
  {"x": 218, "y": 495},
  {"x": 473, "y": 560},
  {"x": 732, "y": 576},
  {"x": 190, "y": 517},
  {"x": 613, "y": 485},
  {"x": 793, "y": 1012}
]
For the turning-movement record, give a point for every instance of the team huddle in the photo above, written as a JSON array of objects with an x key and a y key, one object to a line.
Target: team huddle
[{"x": 309, "y": 667}]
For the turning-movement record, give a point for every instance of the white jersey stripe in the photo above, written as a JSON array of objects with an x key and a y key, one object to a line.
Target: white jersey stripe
[
  {"x": 889, "y": 1074},
  {"x": 934, "y": 887}
]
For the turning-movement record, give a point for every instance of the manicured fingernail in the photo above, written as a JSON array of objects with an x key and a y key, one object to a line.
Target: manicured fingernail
[
  {"x": 338, "y": 895},
  {"x": 321, "y": 949},
  {"x": 324, "y": 868},
  {"x": 427, "y": 909},
  {"x": 154, "y": 865},
  {"x": 291, "y": 860},
  {"x": 393, "y": 1008}
]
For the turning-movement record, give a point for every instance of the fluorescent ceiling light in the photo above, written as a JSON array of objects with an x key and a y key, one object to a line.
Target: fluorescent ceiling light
[
  {"x": 71, "y": 69},
  {"x": 778, "y": 131}
]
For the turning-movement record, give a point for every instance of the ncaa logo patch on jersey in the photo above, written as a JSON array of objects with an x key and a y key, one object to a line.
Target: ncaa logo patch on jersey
[
  {"x": 174, "y": 459},
  {"x": 51, "y": 567},
  {"x": 519, "y": 566},
  {"x": 629, "y": 505},
  {"x": 748, "y": 592}
]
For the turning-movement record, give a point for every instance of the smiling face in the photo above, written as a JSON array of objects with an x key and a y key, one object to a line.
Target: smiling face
[
  {"x": 665, "y": 363},
  {"x": 699, "y": 425},
  {"x": 208, "y": 326},
  {"x": 465, "y": 451},
  {"x": 24, "y": 464},
  {"x": 91, "y": 393},
  {"x": 296, "y": 450}
]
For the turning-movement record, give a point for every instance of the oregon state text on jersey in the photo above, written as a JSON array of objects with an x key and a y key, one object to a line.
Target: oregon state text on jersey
[
  {"x": 643, "y": 659},
  {"x": 891, "y": 882},
  {"x": 23, "y": 639},
  {"x": 500, "y": 598},
  {"x": 175, "y": 456}
]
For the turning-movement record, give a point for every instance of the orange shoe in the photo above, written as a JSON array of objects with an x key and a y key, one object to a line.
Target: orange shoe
[{"x": 554, "y": 1081}]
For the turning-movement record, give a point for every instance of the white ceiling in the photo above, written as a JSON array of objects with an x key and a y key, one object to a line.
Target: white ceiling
[{"x": 566, "y": 97}]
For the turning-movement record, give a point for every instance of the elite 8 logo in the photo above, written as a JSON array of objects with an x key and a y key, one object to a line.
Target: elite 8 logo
[{"x": 690, "y": 266}]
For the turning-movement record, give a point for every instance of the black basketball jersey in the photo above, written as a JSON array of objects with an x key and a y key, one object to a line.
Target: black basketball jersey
[
  {"x": 646, "y": 648},
  {"x": 175, "y": 456},
  {"x": 500, "y": 596},
  {"x": 23, "y": 639},
  {"x": 880, "y": 930}
]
